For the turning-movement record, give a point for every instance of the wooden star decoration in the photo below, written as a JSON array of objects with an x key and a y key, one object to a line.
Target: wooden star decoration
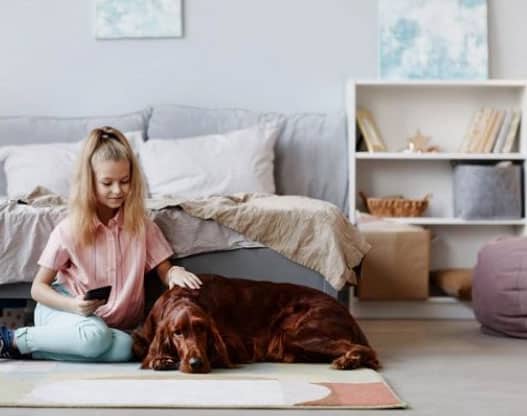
[{"x": 418, "y": 142}]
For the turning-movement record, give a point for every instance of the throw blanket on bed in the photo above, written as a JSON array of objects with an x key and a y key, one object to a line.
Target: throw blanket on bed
[{"x": 307, "y": 231}]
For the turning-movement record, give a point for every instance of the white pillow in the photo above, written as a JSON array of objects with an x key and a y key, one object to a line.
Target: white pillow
[
  {"x": 49, "y": 165},
  {"x": 217, "y": 164}
]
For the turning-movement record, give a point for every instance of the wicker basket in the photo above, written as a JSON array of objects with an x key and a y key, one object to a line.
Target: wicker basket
[{"x": 395, "y": 206}]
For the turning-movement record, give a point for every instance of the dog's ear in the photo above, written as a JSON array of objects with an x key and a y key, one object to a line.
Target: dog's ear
[
  {"x": 161, "y": 346},
  {"x": 144, "y": 335},
  {"x": 140, "y": 344},
  {"x": 217, "y": 350}
]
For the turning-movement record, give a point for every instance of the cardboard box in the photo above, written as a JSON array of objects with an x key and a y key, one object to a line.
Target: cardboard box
[{"x": 397, "y": 266}]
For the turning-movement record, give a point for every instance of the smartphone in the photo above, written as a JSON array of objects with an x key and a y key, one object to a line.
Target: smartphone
[{"x": 100, "y": 293}]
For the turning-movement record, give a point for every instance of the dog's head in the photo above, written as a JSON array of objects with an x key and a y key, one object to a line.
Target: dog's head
[{"x": 188, "y": 335}]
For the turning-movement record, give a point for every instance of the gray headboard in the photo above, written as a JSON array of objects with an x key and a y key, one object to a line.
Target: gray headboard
[{"x": 311, "y": 152}]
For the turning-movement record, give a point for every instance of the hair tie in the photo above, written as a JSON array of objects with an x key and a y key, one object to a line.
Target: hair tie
[{"x": 108, "y": 133}]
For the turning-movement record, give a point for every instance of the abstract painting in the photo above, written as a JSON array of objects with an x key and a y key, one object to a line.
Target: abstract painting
[
  {"x": 116, "y": 19},
  {"x": 433, "y": 39}
]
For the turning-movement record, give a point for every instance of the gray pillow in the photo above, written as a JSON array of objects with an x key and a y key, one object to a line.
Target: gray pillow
[
  {"x": 311, "y": 151},
  {"x": 39, "y": 129}
]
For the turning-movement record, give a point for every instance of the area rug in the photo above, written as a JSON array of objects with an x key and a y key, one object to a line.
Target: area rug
[{"x": 264, "y": 385}]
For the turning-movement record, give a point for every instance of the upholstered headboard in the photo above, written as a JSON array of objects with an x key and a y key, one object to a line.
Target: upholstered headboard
[
  {"x": 39, "y": 130},
  {"x": 311, "y": 151}
]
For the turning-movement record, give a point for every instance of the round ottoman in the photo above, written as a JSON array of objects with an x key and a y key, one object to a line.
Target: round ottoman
[{"x": 499, "y": 287}]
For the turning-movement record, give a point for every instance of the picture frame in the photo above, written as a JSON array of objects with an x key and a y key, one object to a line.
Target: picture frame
[
  {"x": 370, "y": 131},
  {"x": 136, "y": 19},
  {"x": 433, "y": 39}
]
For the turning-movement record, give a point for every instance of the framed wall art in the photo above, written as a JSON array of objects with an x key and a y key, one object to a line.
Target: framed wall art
[
  {"x": 433, "y": 39},
  {"x": 118, "y": 19}
]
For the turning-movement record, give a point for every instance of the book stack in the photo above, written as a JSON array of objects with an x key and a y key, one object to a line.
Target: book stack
[{"x": 492, "y": 131}]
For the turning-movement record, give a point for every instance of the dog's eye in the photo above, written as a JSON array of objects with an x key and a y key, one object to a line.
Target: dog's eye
[{"x": 178, "y": 332}]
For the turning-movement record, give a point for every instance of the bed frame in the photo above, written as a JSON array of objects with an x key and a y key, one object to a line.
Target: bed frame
[{"x": 249, "y": 263}]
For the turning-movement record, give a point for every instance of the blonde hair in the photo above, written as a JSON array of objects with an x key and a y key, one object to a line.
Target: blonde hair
[{"x": 105, "y": 143}]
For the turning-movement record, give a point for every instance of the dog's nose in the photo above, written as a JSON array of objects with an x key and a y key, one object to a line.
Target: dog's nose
[{"x": 195, "y": 363}]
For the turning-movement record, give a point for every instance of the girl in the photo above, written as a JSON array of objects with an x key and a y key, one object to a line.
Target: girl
[{"x": 106, "y": 239}]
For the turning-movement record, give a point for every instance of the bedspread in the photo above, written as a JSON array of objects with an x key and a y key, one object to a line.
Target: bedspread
[
  {"x": 307, "y": 231},
  {"x": 25, "y": 229}
]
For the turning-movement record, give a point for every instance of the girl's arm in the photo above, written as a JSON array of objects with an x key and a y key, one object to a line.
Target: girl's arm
[
  {"x": 42, "y": 292},
  {"x": 172, "y": 275}
]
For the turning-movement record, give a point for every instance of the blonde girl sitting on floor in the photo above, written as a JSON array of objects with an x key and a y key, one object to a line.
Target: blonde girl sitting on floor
[{"x": 106, "y": 239}]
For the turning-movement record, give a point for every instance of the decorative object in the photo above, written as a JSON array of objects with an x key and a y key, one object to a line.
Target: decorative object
[
  {"x": 395, "y": 206},
  {"x": 456, "y": 282},
  {"x": 487, "y": 190},
  {"x": 117, "y": 19},
  {"x": 370, "y": 131},
  {"x": 433, "y": 39},
  {"x": 419, "y": 144}
]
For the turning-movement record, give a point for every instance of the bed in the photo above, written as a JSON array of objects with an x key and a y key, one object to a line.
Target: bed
[{"x": 298, "y": 170}]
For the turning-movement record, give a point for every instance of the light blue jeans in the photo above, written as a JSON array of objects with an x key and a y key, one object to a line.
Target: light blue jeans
[{"x": 65, "y": 336}]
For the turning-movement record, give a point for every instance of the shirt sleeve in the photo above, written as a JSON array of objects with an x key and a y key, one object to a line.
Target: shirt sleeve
[
  {"x": 157, "y": 246},
  {"x": 55, "y": 256}
]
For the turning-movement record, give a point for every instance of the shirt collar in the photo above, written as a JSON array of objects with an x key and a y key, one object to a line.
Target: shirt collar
[{"x": 115, "y": 221}]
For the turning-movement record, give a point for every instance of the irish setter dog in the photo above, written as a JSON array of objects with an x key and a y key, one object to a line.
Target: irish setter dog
[{"x": 229, "y": 321}]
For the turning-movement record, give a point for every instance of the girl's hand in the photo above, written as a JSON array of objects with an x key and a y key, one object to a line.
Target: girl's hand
[
  {"x": 85, "y": 307},
  {"x": 180, "y": 277}
]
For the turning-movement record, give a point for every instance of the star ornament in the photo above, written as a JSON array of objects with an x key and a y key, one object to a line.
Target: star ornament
[{"x": 418, "y": 142}]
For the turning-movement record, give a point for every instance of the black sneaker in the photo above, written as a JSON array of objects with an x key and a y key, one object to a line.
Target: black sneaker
[{"x": 6, "y": 343}]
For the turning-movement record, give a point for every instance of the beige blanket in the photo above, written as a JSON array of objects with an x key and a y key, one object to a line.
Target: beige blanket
[{"x": 307, "y": 231}]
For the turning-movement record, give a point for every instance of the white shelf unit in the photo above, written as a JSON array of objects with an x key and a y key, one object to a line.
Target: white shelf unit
[
  {"x": 440, "y": 156},
  {"x": 442, "y": 110}
]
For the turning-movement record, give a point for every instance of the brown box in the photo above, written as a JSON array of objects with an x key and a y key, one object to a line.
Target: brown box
[{"x": 397, "y": 266}]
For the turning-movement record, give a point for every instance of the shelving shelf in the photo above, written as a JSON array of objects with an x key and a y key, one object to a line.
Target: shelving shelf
[
  {"x": 454, "y": 221},
  {"x": 443, "y": 111},
  {"x": 431, "y": 308},
  {"x": 442, "y": 84},
  {"x": 439, "y": 156}
]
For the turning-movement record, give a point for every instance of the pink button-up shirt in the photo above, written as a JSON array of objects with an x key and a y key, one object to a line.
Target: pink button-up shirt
[{"x": 117, "y": 258}]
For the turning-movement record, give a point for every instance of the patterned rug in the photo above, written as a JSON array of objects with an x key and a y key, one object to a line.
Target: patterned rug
[{"x": 266, "y": 385}]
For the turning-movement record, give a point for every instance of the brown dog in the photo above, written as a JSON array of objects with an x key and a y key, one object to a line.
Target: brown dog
[{"x": 231, "y": 321}]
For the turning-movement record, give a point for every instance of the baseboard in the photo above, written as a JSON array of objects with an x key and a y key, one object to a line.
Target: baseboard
[{"x": 432, "y": 308}]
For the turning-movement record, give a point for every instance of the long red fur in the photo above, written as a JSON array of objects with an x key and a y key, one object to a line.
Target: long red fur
[{"x": 229, "y": 321}]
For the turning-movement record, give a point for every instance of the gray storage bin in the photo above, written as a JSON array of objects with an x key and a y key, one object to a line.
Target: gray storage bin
[{"x": 488, "y": 191}]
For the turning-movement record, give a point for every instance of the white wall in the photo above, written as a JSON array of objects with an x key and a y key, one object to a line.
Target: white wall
[{"x": 282, "y": 55}]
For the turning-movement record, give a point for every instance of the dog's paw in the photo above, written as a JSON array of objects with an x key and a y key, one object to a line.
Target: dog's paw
[
  {"x": 355, "y": 358},
  {"x": 347, "y": 361},
  {"x": 164, "y": 364},
  {"x": 373, "y": 363}
]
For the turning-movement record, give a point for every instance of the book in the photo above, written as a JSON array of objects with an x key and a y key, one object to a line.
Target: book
[
  {"x": 493, "y": 131},
  {"x": 480, "y": 131},
  {"x": 486, "y": 131},
  {"x": 471, "y": 131},
  {"x": 502, "y": 134},
  {"x": 512, "y": 133}
]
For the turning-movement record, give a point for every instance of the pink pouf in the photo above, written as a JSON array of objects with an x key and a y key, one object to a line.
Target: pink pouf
[{"x": 499, "y": 287}]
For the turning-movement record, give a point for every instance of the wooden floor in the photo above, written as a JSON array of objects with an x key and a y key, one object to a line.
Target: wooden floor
[{"x": 445, "y": 368}]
